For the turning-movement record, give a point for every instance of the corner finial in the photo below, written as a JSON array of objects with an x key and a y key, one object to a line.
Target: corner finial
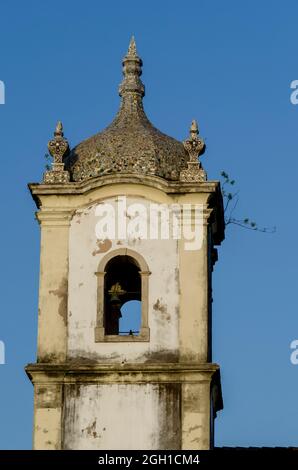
[
  {"x": 132, "y": 48},
  {"x": 194, "y": 129},
  {"x": 195, "y": 146},
  {"x": 59, "y": 145},
  {"x": 57, "y": 148},
  {"x": 59, "y": 129}
]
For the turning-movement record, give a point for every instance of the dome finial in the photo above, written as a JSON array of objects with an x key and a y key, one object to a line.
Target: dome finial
[
  {"x": 132, "y": 70},
  {"x": 132, "y": 48}
]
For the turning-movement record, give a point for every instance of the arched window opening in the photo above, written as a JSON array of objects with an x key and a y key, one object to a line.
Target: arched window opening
[
  {"x": 122, "y": 285},
  {"x": 122, "y": 291},
  {"x": 131, "y": 319}
]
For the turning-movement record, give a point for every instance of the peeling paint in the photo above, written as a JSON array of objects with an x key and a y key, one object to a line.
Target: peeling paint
[
  {"x": 62, "y": 293},
  {"x": 162, "y": 308},
  {"x": 133, "y": 405},
  {"x": 90, "y": 430},
  {"x": 103, "y": 246},
  {"x": 159, "y": 306}
]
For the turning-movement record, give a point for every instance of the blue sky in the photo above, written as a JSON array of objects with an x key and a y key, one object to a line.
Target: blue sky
[{"x": 227, "y": 64}]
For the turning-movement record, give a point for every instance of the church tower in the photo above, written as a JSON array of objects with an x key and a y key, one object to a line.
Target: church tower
[{"x": 129, "y": 224}]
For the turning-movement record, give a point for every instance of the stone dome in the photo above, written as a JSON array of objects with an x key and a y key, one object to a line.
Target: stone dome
[{"x": 130, "y": 144}]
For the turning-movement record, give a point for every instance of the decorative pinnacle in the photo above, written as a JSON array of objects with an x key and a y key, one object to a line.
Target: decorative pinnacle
[
  {"x": 195, "y": 145},
  {"x": 194, "y": 129},
  {"x": 132, "y": 70},
  {"x": 59, "y": 145},
  {"x": 59, "y": 129},
  {"x": 132, "y": 48}
]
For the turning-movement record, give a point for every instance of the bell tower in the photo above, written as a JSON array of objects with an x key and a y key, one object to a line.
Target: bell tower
[{"x": 129, "y": 224}]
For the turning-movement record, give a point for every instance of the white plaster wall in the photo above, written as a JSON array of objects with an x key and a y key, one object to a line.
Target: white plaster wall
[
  {"x": 84, "y": 256},
  {"x": 112, "y": 417}
]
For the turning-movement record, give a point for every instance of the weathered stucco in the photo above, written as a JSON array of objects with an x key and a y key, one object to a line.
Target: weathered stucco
[
  {"x": 142, "y": 416},
  {"x": 120, "y": 386},
  {"x": 53, "y": 287},
  {"x": 161, "y": 257}
]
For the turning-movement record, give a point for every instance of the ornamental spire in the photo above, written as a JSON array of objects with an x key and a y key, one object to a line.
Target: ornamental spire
[
  {"x": 132, "y": 70},
  {"x": 58, "y": 147},
  {"x": 132, "y": 48},
  {"x": 195, "y": 146}
]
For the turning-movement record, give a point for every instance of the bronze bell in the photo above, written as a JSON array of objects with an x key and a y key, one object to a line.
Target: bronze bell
[
  {"x": 115, "y": 299},
  {"x": 115, "y": 291}
]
